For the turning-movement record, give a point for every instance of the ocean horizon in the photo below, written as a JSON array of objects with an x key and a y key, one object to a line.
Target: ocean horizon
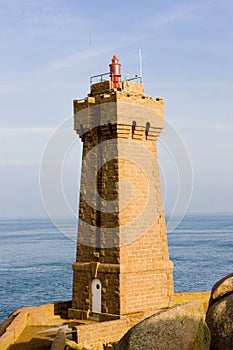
[{"x": 36, "y": 258}]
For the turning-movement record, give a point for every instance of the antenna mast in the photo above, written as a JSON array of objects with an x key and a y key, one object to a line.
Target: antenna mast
[
  {"x": 90, "y": 52},
  {"x": 140, "y": 63}
]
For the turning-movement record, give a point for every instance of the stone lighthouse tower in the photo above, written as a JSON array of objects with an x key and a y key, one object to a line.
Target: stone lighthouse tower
[{"x": 122, "y": 265}]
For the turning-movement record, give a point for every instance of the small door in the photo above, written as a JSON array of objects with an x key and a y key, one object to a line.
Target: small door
[{"x": 96, "y": 295}]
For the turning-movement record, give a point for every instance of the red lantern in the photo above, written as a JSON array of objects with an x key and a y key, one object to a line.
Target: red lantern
[{"x": 115, "y": 72}]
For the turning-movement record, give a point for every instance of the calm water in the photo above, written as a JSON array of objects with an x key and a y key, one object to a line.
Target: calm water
[{"x": 35, "y": 258}]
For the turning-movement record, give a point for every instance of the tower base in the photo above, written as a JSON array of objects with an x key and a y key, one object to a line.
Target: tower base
[{"x": 137, "y": 292}]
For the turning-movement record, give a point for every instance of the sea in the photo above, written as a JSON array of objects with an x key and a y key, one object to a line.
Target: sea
[{"x": 36, "y": 258}]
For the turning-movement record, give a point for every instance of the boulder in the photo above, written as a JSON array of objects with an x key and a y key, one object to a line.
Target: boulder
[
  {"x": 219, "y": 315},
  {"x": 221, "y": 289},
  {"x": 180, "y": 327}
]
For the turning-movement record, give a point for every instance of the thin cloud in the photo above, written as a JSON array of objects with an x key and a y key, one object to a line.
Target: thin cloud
[
  {"x": 76, "y": 59},
  {"x": 223, "y": 127},
  {"x": 23, "y": 131},
  {"x": 193, "y": 85},
  {"x": 16, "y": 163},
  {"x": 13, "y": 87},
  {"x": 16, "y": 87},
  {"x": 185, "y": 12},
  {"x": 22, "y": 146}
]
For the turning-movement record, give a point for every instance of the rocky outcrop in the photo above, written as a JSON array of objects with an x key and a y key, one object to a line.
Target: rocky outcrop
[
  {"x": 180, "y": 327},
  {"x": 219, "y": 316}
]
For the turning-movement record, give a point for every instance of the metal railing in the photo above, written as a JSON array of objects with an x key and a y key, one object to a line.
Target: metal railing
[
  {"x": 99, "y": 77},
  {"x": 105, "y": 76},
  {"x": 130, "y": 77}
]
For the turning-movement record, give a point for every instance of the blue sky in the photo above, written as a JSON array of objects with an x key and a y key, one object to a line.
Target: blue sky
[{"x": 45, "y": 63}]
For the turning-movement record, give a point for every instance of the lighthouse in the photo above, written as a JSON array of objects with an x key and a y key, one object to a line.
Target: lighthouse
[{"x": 122, "y": 265}]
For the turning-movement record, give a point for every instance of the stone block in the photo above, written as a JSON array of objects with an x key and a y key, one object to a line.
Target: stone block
[{"x": 59, "y": 341}]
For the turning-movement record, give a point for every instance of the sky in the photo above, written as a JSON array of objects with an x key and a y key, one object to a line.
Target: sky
[{"x": 46, "y": 60}]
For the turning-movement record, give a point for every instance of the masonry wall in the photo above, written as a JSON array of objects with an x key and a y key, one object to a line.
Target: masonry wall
[
  {"x": 146, "y": 281},
  {"x": 93, "y": 336}
]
